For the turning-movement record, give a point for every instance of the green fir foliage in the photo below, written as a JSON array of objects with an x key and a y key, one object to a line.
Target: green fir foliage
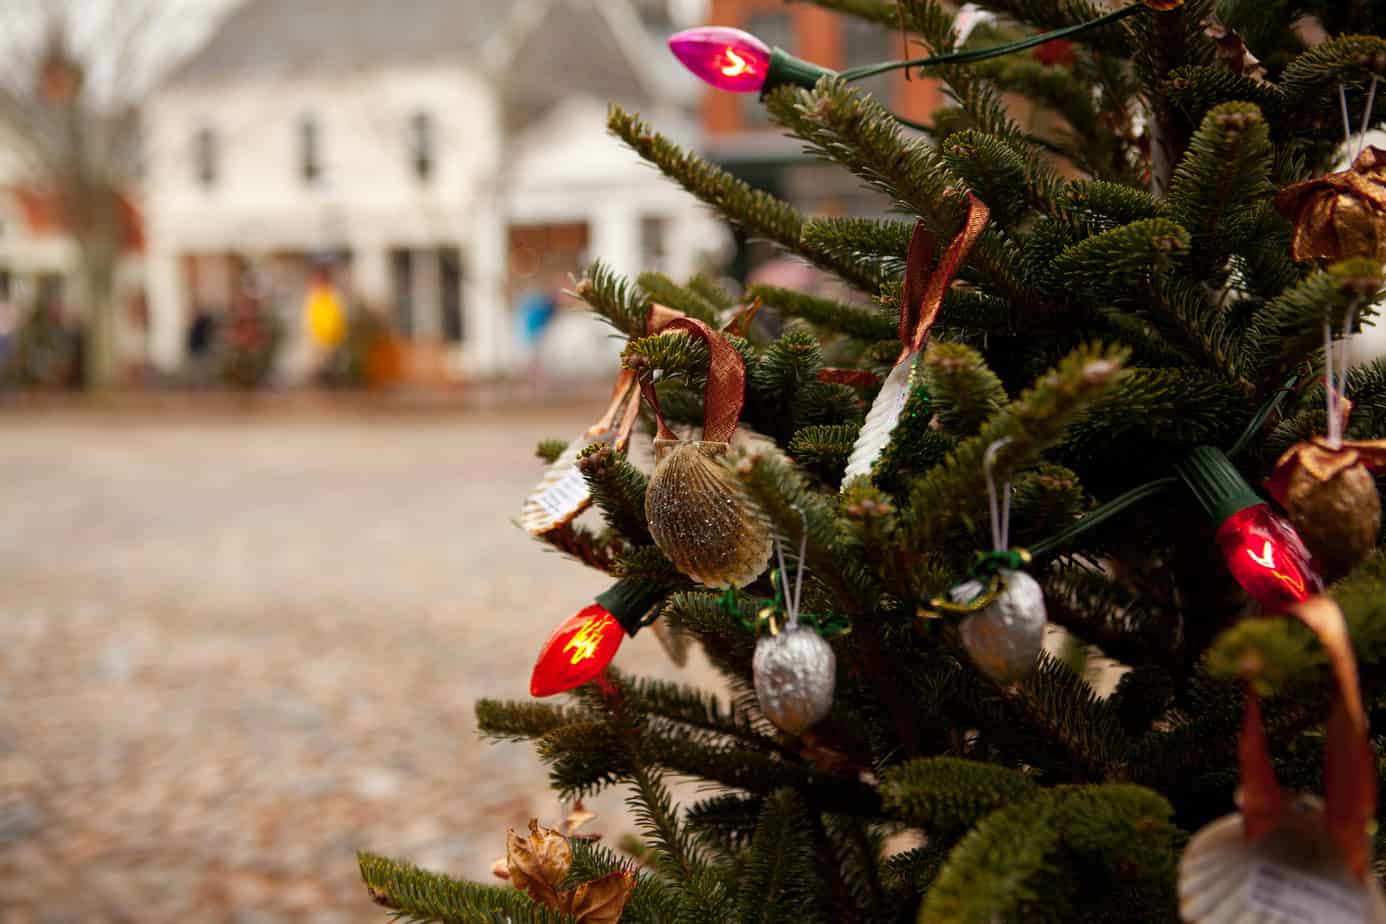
[{"x": 1133, "y": 297}]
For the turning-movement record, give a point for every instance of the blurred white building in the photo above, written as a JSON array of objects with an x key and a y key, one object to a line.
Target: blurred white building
[{"x": 444, "y": 155}]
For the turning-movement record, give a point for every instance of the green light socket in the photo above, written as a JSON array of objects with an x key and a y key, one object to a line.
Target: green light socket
[
  {"x": 629, "y": 599},
  {"x": 785, "y": 68},
  {"x": 1215, "y": 481}
]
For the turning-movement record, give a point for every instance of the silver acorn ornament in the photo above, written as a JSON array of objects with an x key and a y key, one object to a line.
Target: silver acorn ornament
[
  {"x": 795, "y": 673},
  {"x": 1004, "y": 637},
  {"x": 702, "y": 518}
]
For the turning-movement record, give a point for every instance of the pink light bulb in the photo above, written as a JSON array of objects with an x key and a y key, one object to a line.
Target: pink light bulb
[{"x": 729, "y": 59}]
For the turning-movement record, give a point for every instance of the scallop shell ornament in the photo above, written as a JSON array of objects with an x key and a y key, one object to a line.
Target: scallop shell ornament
[
  {"x": 702, "y": 518},
  {"x": 1005, "y": 637},
  {"x": 795, "y": 672},
  {"x": 1295, "y": 874}
]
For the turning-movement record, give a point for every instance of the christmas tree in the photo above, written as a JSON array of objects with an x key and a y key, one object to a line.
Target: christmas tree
[{"x": 1085, "y": 417}]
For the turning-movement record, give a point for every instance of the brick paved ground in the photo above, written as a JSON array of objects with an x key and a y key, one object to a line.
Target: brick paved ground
[{"x": 232, "y": 653}]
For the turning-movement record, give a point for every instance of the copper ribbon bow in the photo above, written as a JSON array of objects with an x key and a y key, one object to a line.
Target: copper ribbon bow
[
  {"x": 1341, "y": 214},
  {"x": 924, "y": 290},
  {"x": 1349, "y": 773},
  {"x": 724, "y": 393}
]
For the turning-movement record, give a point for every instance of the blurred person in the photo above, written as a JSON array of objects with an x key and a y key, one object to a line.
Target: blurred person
[
  {"x": 323, "y": 318},
  {"x": 534, "y": 315}
]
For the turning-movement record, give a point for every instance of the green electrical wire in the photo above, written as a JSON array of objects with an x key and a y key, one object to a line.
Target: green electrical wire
[
  {"x": 982, "y": 54},
  {"x": 1099, "y": 515}
]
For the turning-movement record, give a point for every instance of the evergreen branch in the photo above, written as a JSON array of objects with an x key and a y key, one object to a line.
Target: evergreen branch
[
  {"x": 1226, "y": 168},
  {"x": 618, "y": 490},
  {"x": 581, "y": 544},
  {"x": 518, "y": 721},
  {"x": 727, "y": 820},
  {"x": 758, "y": 213},
  {"x": 666, "y": 292},
  {"x": 963, "y": 391},
  {"x": 778, "y": 875},
  {"x": 844, "y": 124},
  {"x": 1311, "y": 80},
  {"x": 823, "y": 449},
  {"x": 550, "y": 449},
  {"x": 1017, "y": 181},
  {"x": 994, "y": 873},
  {"x": 701, "y": 711},
  {"x": 652, "y": 902},
  {"x": 1098, "y": 205},
  {"x": 946, "y": 796},
  {"x": 952, "y": 493},
  {"x": 857, "y": 321},
  {"x": 865, "y": 252},
  {"x": 711, "y": 292},
  {"x": 779, "y": 383},
  {"x": 1198, "y": 89},
  {"x": 614, "y": 298},
  {"x": 1109, "y": 263},
  {"x": 416, "y": 895},
  {"x": 1289, "y": 329}
]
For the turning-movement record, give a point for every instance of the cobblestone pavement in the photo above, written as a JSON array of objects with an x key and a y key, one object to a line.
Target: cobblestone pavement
[{"x": 233, "y": 653}]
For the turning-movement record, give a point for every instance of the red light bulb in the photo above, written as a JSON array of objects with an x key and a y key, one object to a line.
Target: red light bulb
[
  {"x": 1261, "y": 548},
  {"x": 1267, "y": 557},
  {"x": 577, "y": 652},
  {"x": 729, "y": 59}
]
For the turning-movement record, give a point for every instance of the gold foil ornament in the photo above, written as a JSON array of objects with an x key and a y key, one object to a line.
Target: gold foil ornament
[
  {"x": 1342, "y": 214},
  {"x": 698, "y": 512},
  {"x": 702, "y": 518},
  {"x": 920, "y": 303}
]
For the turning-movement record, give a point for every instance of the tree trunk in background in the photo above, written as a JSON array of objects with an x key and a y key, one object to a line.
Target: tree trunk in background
[{"x": 98, "y": 252}]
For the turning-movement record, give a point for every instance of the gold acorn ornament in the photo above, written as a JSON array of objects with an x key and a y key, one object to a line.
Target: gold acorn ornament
[
  {"x": 1325, "y": 483},
  {"x": 699, "y": 514},
  {"x": 1301, "y": 860},
  {"x": 921, "y": 300}
]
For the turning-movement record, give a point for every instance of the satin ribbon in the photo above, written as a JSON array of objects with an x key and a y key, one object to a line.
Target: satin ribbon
[
  {"x": 1349, "y": 772},
  {"x": 923, "y": 292},
  {"x": 724, "y": 393}
]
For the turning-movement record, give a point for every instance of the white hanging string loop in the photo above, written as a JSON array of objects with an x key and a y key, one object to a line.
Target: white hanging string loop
[
  {"x": 1347, "y": 120},
  {"x": 793, "y": 594},
  {"x": 1366, "y": 117},
  {"x": 1000, "y": 506}
]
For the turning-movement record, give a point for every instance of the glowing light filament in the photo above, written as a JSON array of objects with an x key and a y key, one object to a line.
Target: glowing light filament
[
  {"x": 736, "y": 65},
  {"x": 585, "y": 642},
  {"x": 1267, "y": 558}
]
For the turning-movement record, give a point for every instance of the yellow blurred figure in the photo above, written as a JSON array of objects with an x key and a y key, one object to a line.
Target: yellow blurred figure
[{"x": 325, "y": 318}]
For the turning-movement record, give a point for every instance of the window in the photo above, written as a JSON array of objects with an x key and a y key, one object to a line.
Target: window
[
  {"x": 310, "y": 149},
  {"x": 421, "y": 144},
  {"x": 654, "y": 233},
  {"x": 867, "y": 43},
  {"x": 776, "y": 30},
  {"x": 205, "y": 157}
]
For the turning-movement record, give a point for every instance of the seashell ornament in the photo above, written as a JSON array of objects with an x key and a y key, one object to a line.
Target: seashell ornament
[
  {"x": 702, "y": 518},
  {"x": 1005, "y": 637},
  {"x": 921, "y": 300},
  {"x": 698, "y": 513},
  {"x": 795, "y": 672},
  {"x": 1295, "y": 874}
]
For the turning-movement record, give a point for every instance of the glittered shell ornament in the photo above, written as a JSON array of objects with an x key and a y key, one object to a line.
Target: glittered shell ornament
[
  {"x": 795, "y": 672},
  {"x": 699, "y": 514},
  {"x": 919, "y": 307},
  {"x": 1005, "y": 637}
]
